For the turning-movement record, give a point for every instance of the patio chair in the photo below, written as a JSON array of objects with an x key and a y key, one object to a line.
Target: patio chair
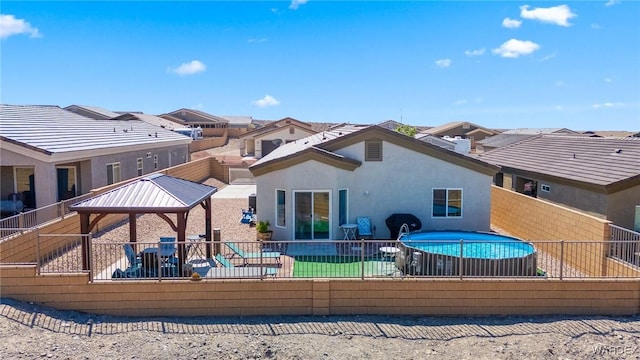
[
  {"x": 246, "y": 256},
  {"x": 134, "y": 260},
  {"x": 224, "y": 262},
  {"x": 364, "y": 227},
  {"x": 167, "y": 246}
]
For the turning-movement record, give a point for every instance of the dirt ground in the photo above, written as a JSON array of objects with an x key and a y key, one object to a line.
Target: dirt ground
[{"x": 28, "y": 331}]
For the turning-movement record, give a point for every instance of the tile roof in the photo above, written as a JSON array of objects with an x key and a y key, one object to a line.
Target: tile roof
[
  {"x": 598, "y": 161},
  {"x": 238, "y": 120},
  {"x": 55, "y": 130},
  {"x": 96, "y": 109},
  {"x": 308, "y": 142},
  {"x": 536, "y": 131}
]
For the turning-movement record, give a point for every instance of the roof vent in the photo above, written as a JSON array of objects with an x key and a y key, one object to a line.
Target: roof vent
[{"x": 617, "y": 151}]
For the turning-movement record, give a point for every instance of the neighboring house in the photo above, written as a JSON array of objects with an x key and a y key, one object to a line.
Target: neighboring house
[
  {"x": 605, "y": 133},
  {"x": 48, "y": 154},
  {"x": 538, "y": 131},
  {"x": 238, "y": 125},
  {"x": 393, "y": 125},
  {"x": 149, "y": 119},
  {"x": 333, "y": 177},
  {"x": 260, "y": 142},
  {"x": 211, "y": 125},
  {"x": 457, "y": 144},
  {"x": 600, "y": 176},
  {"x": 463, "y": 129}
]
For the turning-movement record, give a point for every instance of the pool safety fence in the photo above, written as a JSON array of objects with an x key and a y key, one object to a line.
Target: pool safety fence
[{"x": 155, "y": 260}]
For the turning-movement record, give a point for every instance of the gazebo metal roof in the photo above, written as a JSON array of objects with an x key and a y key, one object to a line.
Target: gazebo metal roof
[{"x": 157, "y": 193}]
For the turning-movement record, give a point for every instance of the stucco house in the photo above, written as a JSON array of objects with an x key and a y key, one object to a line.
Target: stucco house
[
  {"x": 333, "y": 177},
  {"x": 260, "y": 142},
  {"x": 48, "y": 154},
  {"x": 600, "y": 176},
  {"x": 211, "y": 125},
  {"x": 462, "y": 129}
]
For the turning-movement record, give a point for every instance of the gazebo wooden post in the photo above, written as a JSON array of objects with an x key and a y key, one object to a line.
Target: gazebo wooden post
[
  {"x": 207, "y": 226},
  {"x": 84, "y": 230},
  {"x": 182, "y": 229},
  {"x": 133, "y": 233}
]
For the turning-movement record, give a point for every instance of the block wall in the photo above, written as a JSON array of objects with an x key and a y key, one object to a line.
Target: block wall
[
  {"x": 322, "y": 296},
  {"x": 540, "y": 222}
]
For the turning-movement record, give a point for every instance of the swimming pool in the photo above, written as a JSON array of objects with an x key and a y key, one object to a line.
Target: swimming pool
[{"x": 470, "y": 253}]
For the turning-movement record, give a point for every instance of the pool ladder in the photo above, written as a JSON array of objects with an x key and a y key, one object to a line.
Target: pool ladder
[{"x": 404, "y": 229}]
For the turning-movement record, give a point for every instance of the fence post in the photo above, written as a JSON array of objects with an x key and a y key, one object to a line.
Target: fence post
[
  {"x": 461, "y": 259},
  {"x": 37, "y": 234},
  {"x": 90, "y": 240},
  {"x": 362, "y": 259},
  {"x": 561, "y": 258},
  {"x": 159, "y": 261},
  {"x": 261, "y": 263}
]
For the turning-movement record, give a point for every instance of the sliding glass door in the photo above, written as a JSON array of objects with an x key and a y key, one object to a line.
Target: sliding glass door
[{"x": 312, "y": 214}]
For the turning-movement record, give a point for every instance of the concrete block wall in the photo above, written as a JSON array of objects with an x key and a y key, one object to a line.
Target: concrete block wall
[
  {"x": 540, "y": 221},
  {"x": 322, "y": 296}
]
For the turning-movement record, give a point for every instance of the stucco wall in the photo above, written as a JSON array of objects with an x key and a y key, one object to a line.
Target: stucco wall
[
  {"x": 621, "y": 206},
  {"x": 389, "y": 186},
  {"x": 590, "y": 201}
]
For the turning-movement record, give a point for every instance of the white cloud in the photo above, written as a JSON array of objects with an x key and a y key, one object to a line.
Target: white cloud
[
  {"x": 479, "y": 100},
  {"x": 477, "y": 52},
  {"x": 608, "y": 79},
  {"x": 295, "y": 4},
  {"x": 607, "y": 105},
  {"x": 189, "y": 68},
  {"x": 511, "y": 23},
  {"x": 595, "y": 26},
  {"x": 559, "y": 83},
  {"x": 443, "y": 63},
  {"x": 9, "y": 26},
  {"x": 267, "y": 100},
  {"x": 612, "y": 2},
  {"x": 514, "y": 48},
  {"x": 558, "y": 15},
  {"x": 258, "y": 40},
  {"x": 460, "y": 102}
]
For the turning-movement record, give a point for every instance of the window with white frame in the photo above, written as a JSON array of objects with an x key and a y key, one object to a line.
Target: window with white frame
[
  {"x": 545, "y": 188},
  {"x": 113, "y": 173},
  {"x": 140, "y": 167},
  {"x": 281, "y": 215},
  {"x": 447, "y": 203},
  {"x": 155, "y": 162}
]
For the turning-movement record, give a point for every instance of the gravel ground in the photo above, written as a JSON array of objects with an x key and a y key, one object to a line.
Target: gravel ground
[{"x": 29, "y": 332}]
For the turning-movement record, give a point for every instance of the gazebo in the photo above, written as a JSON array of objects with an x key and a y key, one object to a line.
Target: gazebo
[{"x": 155, "y": 194}]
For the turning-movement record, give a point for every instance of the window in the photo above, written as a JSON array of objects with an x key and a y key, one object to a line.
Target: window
[
  {"x": 155, "y": 162},
  {"x": 545, "y": 188},
  {"x": 373, "y": 150},
  {"x": 113, "y": 173},
  {"x": 140, "y": 167},
  {"x": 292, "y": 130},
  {"x": 447, "y": 203},
  {"x": 148, "y": 155},
  {"x": 281, "y": 215},
  {"x": 343, "y": 206}
]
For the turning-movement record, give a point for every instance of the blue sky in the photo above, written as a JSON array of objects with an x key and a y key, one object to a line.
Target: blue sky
[{"x": 497, "y": 64}]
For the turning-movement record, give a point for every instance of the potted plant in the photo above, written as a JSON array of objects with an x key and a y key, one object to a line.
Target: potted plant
[{"x": 263, "y": 233}]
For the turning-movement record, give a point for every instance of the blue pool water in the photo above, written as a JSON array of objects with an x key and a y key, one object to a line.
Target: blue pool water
[{"x": 479, "y": 245}]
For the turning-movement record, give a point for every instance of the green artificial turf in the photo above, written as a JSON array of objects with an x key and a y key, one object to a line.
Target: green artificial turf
[{"x": 338, "y": 266}]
